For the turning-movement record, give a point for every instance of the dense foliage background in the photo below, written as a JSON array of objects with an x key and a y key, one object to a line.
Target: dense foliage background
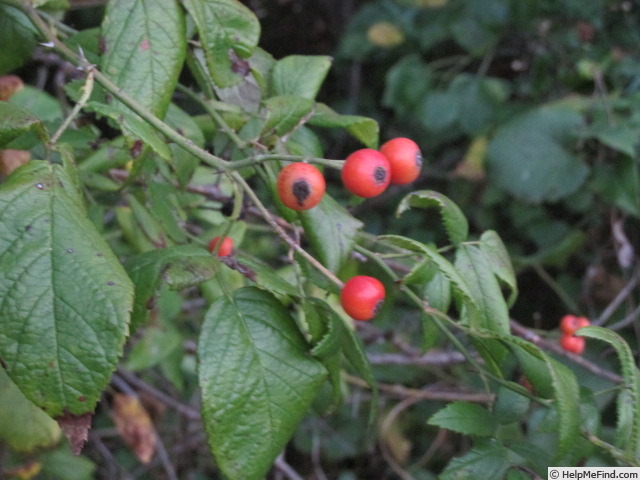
[{"x": 528, "y": 116}]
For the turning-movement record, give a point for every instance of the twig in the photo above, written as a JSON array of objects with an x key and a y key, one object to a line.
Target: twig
[
  {"x": 548, "y": 279},
  {"x": 615, "y": 303},
  {"x": 431, "y": 358},
  {"x": 384, "y": 429},
  {"x": 425, "y": 394},
  {"x": 164, "y": 459},
  {"x": 286, "y": 469},
  {"x": 185, "y": 410}
]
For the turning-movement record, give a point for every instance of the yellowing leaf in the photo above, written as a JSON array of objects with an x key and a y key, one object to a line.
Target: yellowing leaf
[
  {"x": 135, "y": 426},
  {"x": 385, "y": 34}
]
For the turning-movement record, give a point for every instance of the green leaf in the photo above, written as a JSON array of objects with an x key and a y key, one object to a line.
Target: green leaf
[
  {"x": 487, "y": 461},
  {"x": 331, "y": 231},
  {"x": 500, "y": 262},
  {"x": 285, "y": 113},
  {"x": 510, "y": 406},
  {"x": 530, "y": 158},
  {"x": 178, "y": 267},
  {"x": 474, "y": 266},
  {"x": 156, "y": 345},
  {"x": 17, "y": 39},
  {"x": 66, "y": 300},
  {"x": 466, "y": 418},
  {"x": 406, "y": 84},
  {"x": 164, "y": 205},
  {"x": 147, "y": 224},
  {"x": 61, "y": 464},
  {"x": 299, "y": 75},
  {"x": 228, "y": 30},
  {"x": 363, "y": 128},
  {"x": 185, "y": 163},
  {"x": 144, "y": 49},
  {"x": 628, "y": 406},
  {"x": 134, "y": 128},
  {"x": 23, "y": 426},
  {"x": 264, "y": 276},
  {"x": 15, "y": 120},
  {"x": 257, "y": 381},
  {"x": 454, "y": 220},
  {"x": 619, "y": 184},
  {"x": 39, "y": 103}
]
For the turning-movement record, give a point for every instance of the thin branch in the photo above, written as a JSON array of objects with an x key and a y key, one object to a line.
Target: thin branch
[
  {"x": 616, "y": 302},
  {"x": 286, "y": 469}
]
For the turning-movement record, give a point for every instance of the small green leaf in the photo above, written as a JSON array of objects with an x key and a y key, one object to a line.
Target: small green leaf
[
  {"x": 228, "y": 30},
  {"x": 15, "y": 120},
  {"x": 156, "y": 345},
  {"x": 266, "y": 277},
  {"x": 178, "y": 267},
  {"x": 185, "y": 163},
  {"x": 363, "y": 128},
  {"x": 487, "y": 461},
  {"x": 66, "y": 300},
  {"x": 144, "y": 49},
  {"x": 510, "y": 406},
  {"x": 466, "y": 418},
  {"x": 300, "y": 75},
  {"x": 285, "y": 113},
  {"x": 164, "y": 205},
  {"x": 331, "y": 231},
  {"x": 530, "y": 158},
  {"x": 134, "y": 128},
  {"x": 23, "y": 426},
  {"x": 257, "y": 381},
  {"x": 474, "y": 266},
  {"x": 454, "y": 220},
  {"x": 500, "y": 262},
  {"x": 628, "y": 406}
]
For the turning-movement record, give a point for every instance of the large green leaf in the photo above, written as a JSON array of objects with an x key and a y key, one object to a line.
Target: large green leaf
[
  {"x": 300, "y": 75},
  {"x": 530, "y": 156},
  {"x": 178, "y": 267},
  {"x": 454, "y": 220},
  {"x": 498, "y": 258},
  {"x": 15, "y": 120},
  {"x": 229, "y": 32},
  {"x": 23, "y": 426},
  {"x": 144, "y": 49},
  {"x": 331, "y": 231},
  {"x": 475, "y": 267},
  {"x": 257, "y": 381},
  {"x": 65, "y": 299},
  {"x": 467, "y": 418},
  {"x": 628, "y": 406},
  {"x": 363, "y": 128}
]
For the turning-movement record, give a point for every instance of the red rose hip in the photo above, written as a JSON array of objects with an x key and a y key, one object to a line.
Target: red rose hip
[
  {"x": 225, "y": 249},
  {"x": 300, "y": 186},
  {"x": 572, "y": 344},
  {"x": 366, "y": 173},
  {"x": 404, "y": 158},
  {"x": 362, "y": 296}
]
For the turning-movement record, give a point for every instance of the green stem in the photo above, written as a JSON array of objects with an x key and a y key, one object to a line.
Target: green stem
[{"x": 255, "y": 159}]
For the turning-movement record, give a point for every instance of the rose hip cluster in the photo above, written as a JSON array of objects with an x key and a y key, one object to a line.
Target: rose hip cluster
[
  {"x": 365, "y": 173},
  {"x": 569, "y": 324}
]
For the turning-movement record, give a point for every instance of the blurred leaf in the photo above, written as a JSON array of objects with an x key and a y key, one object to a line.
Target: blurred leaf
[
  {"x": 257, "y": 381},
  {"x": 76, "y": 288},
  {"x": 472, "y": 35},
  {"x": 300, "y": 75},
  {"x": 177, "y": 267},
  {"x": 39, "y": 103},
  {"x": 510, "y": 406},
  {"x": 185, "y": 163},
  {"x": 14, "y": 121},
  {"x": 18, "y": 38},
  {"x": 467, "y": 418},
  {"x": 619, "y": 184},
  {"x": 285, "y": 113},
  {"x": 500, "y": 262},
  {"x": 61, "y": 464},
  {"x": 265, "y": 277},
  {"x": 156, "y": 345},
  {"x": 454, "y": 220},
  {"x": 487, "y": 461},
  {"x": 406, "y": 84},
  {"x": 229, "y": 32},
  {"x": 164, "y": 205},
  {"x": 87, "y": 40},
  {"x": 529, "y": 156},
  {"x": 144, "y": 49},
  {"x": 628, "y": 406},
  {"x": 476, "y": 269},
  {"x": 363, "y": 128},
  {"x": 147, "y": 224},
  {"x": 23, "y": 426},
  {"x": 331, "y": 231}
]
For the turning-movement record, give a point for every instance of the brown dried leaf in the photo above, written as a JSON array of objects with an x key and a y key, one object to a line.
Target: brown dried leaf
[
  {"x": 12, "y": 159},
  {"x": 135, "y": 426},
  {"x": 9, "y": 84},
  {"x": 76, "y": 429}
]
